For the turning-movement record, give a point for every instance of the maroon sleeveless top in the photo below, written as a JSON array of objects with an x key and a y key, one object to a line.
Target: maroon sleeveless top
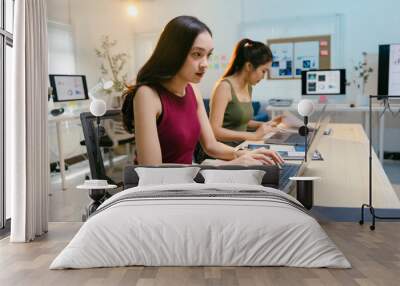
[{"x": 178, "y": 126}]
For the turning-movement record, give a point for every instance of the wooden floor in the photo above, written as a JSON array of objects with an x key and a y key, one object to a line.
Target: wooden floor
[{"x": 374, "y": 255}]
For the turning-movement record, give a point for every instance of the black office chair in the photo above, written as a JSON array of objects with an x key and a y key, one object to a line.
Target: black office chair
[
  {"x": 89, "y": 126},
  {"x": 96, "y": 163}
]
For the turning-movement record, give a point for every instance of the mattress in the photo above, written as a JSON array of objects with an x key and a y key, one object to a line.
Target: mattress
[{"x": 201, "y": 225}]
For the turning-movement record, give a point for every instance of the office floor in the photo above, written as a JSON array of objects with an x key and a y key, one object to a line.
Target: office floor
[
  {"x": 68, "y": 205},
  {"x": 374, "y": 255}
]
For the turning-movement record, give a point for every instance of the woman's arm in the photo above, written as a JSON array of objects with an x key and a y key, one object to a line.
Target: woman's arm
[
  {"x": 272, "y": 123},
  {"x": 254, "y": 124},
  {"x": 208, "y": 141},
  {"x": 219, "y": 101},
  {"x": 147, "y": 107},
  {"x": 219, "y": 150}
]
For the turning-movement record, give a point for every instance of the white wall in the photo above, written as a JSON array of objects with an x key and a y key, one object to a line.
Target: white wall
[
  {"x": 92, "y": 19},
  {"x": 58, "y": 11},
  {"x": 62, "y": 60},
  {"x": 89, "y": 24},
  {"x": 366, "y": 24}
]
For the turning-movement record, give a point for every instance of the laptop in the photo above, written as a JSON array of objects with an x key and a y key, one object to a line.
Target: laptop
[
  {"x": 293, "y": 170},
  {"x": 290, "y": 138}
]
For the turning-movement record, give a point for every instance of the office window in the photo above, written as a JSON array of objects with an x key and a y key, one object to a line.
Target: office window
[
  {"x": 61, "y": 48},
  {"x": 6, "y": 66},
  {"x": 9, "y": 12},
  {"x": 8, "y": 69}
]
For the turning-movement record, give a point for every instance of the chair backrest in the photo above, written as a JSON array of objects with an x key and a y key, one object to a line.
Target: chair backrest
[
  {"x": 206, "y": 102},
  {"x": 256, "y": 107},
  {"x": 96, "y": 163}
]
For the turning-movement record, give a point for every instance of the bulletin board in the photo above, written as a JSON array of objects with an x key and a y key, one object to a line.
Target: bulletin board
[{"x": 291, "y": 56}]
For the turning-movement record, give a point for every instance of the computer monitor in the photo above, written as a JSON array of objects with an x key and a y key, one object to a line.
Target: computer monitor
[
  {"x": 323, "y": 82},
  {"x": 68, "y": 87},
  {"x": 389, "y": 70}
]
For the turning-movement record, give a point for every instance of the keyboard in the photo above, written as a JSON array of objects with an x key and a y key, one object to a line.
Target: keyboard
[
  {"x": 278, "y": 135},
  {"x": 280, "y": 102},
  {"x": 288, "y": 170},
  {"x": 295, "y": 139}
]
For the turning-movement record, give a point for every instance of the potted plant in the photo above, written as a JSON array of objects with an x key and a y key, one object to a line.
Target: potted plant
[{"x": 112, "y": 67}]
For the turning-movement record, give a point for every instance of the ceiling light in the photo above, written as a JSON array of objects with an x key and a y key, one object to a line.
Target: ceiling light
[{"x": 132, "y": 10}]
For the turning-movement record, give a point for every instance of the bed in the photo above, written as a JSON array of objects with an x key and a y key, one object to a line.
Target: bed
[{"x": 200, "y": 224}]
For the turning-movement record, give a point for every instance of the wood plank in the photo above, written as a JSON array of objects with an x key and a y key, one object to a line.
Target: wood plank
[{"x": 374, "y": 255}]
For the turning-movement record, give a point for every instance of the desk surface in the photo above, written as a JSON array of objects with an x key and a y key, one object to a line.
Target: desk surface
[
  {"x": 335, "y": 107},
  {"x": 344, "y": 171},
  {"x": 63, "y": 117}
]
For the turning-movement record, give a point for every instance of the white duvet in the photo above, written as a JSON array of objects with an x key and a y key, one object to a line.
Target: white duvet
[{"x": 183, "y": 231}]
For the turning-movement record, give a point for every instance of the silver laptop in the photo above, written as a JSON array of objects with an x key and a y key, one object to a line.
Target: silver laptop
[
  {"x": 292, "y": 170},
  {"x": 289, "y": 138}
]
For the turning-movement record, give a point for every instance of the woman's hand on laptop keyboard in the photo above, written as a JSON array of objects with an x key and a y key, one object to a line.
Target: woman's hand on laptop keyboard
[
  {"x": 262, "y": 130},
  {"x": 270, "y": 154},
  {"x": 261, "y": 156},
  {"x": 276, "y": 121}
]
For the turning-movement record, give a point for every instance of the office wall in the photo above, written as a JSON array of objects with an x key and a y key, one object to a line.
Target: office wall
[
  {"x": 58, "y": 11},
  {"x": 89, "y": 24},
  {"x": 359, "y": 32},
  {"x": 90, "y": 19},
  {"x": 366, "y": 24}
]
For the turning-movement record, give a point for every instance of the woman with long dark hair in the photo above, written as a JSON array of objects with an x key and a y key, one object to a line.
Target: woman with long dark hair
[
  {"x": 231, "y": 109},
  {"x": 166, "y": 112}
]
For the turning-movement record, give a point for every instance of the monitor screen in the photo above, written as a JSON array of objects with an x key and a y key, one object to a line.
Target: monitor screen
[
  {"x": 69, "y": 87},
  {"x": 323, "y": 82},
  {"x": 389, "y": 70}
]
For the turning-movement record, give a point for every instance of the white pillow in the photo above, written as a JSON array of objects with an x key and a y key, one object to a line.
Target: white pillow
[
  {"x": 163, "y": 176},
  {"x": 248, "y": 177}
]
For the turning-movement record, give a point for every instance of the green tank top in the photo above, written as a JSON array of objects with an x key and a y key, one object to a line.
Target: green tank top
[{"x": 237, "y": 114}]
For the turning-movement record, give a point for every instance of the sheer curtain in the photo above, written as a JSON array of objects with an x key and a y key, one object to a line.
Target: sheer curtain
[{"x": 26, "y": 119}]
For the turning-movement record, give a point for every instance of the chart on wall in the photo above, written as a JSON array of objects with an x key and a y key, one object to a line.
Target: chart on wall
[
  {"x": 291, "y": 56},
  {"x": 307, "y": 57},
  {"x": 282, "y": 63}
]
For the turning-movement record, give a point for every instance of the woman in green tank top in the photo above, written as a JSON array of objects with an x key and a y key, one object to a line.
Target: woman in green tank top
[{"x": 231, "y": 110}]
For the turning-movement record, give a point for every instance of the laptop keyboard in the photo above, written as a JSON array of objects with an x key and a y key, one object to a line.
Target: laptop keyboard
[
  {"x": 277, "y": 135},
  {"x": 288, "y": 170},
  {"x": 296, "y": 139}
]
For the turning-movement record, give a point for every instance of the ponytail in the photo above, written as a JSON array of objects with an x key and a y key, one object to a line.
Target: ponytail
[{"x": 246, "y": 50}]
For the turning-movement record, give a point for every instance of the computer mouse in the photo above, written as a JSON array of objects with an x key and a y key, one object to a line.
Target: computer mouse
[{"x": 57, "y": 111}]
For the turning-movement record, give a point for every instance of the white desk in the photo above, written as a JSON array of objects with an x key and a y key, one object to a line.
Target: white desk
[
  {"x": 58, "y": 120},
  {"x": 346, "y": 108},
  {"x": 344, "y": 171},
  {"x": 115, "y": 131}
]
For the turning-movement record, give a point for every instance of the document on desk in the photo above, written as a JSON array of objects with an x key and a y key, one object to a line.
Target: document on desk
[
  {"x": 290, "y": 122},
  {"x": 287, "y": 152}
]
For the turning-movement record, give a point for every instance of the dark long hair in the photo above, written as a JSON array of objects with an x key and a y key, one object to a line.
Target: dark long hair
[
  {"x": 168, "y": 57},
  {"x": 246, "y": 50}
]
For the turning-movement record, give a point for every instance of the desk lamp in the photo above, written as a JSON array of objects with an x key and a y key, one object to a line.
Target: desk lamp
[
  {"x": 98, "y": 107},
  {"x": 305, "y": 108}
]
